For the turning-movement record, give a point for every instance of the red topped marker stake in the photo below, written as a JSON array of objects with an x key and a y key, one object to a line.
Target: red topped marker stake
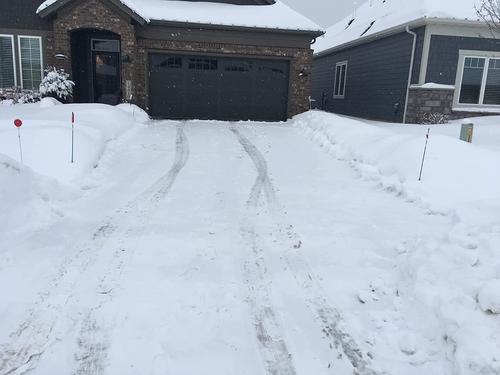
[
  {"x": 18, "y": 123},
  {"x": 72, "y": 137}
]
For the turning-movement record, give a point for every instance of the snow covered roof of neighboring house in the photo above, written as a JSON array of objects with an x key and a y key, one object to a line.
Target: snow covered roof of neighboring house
[
  {"x": 275, "y": 16},
  {"x": 376, "y": 16}
]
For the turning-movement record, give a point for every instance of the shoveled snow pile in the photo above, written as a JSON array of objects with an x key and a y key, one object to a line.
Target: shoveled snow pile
[
  {"x": 25, "y": 194},
  {"x": 452, "y": 180},
  {"x": 138, "y": 114},
  {"x": 374, "y": 16},
  {"x": 442, "y": 286},
  {"x": 49, "y": 102},
  {"x": 489, "y": 297},
  {"x": 278, "y": 15},
  {"x": 46, "y": 135}
]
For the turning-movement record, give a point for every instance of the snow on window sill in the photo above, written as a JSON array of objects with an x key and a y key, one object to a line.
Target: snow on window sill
[
  {"x": 433, "y": 86},
  {"x": 477, "y": 109}
]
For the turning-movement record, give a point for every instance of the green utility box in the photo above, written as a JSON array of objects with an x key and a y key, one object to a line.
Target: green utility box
[{"x": 467, "y": 132}]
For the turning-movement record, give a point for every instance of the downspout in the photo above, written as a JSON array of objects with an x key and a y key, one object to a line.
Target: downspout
[{"x": 410, "y": 73}]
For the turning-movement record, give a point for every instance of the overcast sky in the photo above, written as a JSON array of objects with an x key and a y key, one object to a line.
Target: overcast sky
[{"x": 324, "y": 12}]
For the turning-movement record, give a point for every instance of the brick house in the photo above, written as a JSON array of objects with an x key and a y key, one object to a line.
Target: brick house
[
  {"x": 223, "y": 59},
  {"x": 409, "y": 61}
]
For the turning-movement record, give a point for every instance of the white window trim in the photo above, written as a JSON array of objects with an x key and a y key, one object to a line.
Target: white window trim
[
  {"x": 340, "y": 64},
  {"x": 13, "y": 57},
  {"x": 463, "y": 54},
  {"x": 19, "y": 37}
]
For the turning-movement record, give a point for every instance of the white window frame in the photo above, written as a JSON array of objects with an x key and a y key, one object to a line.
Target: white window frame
[
  {"x": 19, "y": 37},
  {"x": 463, "y": 54},
  {"x": 337, "y": 66},
  {"x": 13, "y": 57}
]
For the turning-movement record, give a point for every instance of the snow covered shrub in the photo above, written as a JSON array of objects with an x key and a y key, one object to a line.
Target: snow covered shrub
[
  {"x": 16, "y": 95},
  {"x": 432, "y": 118},
  {"x": 56, "y": 84}
]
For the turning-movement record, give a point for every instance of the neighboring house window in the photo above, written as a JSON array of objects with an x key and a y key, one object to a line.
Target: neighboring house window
[
  {"x": 7, "y": 63},
  {"x": 340, "y": 80},
  {"x": 30, "y": 61},
  {"x": 480, "y": 81}
]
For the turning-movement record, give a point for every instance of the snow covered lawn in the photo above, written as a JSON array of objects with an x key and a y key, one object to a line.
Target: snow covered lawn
[{"x": 246, "y": 248}]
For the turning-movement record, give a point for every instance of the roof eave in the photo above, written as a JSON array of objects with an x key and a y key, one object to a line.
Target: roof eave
[
  {"x": 387, "y": 32},
  {"x": 311, "y": 33},
  {"x": 423, "y": 21}
]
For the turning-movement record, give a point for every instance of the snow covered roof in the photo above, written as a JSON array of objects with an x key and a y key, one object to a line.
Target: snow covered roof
[
  {"x": 376, "y": 16},
  {"x": 275, "y": 16}
]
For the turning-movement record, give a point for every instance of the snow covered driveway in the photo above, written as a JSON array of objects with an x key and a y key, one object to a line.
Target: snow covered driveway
[{"x": 215, "y": 248}]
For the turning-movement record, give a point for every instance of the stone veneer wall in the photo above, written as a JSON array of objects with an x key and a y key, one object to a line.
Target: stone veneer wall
[
  {"x": 423, "y": 101},
  {"x": 93, "y": 14},
  {"x": 300, "y": 59}
]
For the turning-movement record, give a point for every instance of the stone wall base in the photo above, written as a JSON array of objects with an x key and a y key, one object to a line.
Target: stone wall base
[{"x": 425, "y": 102}]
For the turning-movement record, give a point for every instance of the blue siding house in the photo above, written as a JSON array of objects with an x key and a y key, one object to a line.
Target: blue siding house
[{"x": 408, "y": 61}]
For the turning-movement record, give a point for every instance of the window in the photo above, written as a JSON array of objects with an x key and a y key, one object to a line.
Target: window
[
  {"x": 272, "y": 70},
  {"x": 472, "y": 79},
  {"x": 203, "y": 64},
  {"x": 105, "y": 45},
  {"x": 340, "y": 80},
  {"x": 30, "y": 61},
  {"x": 479, "y": 80},
  {"x": 172, "y": 63},
  {"x": 7, "y": 64},
  {"x": 238, "y": 67},
  {"x": 492, "y": 87}
]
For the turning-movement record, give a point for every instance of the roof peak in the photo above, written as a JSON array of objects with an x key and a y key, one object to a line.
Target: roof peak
[{"x": 263, "y": 14}]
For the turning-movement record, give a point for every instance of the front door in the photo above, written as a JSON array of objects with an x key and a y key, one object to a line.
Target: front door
[{"x": 106, "y": 69}]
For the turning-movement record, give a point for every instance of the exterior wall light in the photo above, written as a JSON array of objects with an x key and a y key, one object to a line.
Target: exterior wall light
[{"x": 303, "y": 73}]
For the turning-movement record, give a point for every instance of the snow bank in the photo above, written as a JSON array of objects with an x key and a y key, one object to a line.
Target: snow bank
[
  {"x": 278, "y": 15},
  {"x": 457, "y": 176},
  {"x": 489, "y": 297},
  {"x": 46, "y": 136},
  {"x": 136, "y": 112},
  {"x": 439, "y": 279},
  {"x": 374, "y": 16},
  {"x": 24, "y": 194},
  {"x": 49, "y": 102}
]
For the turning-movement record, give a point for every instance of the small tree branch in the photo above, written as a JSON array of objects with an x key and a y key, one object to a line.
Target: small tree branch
[{"x": 489, "y": 12}]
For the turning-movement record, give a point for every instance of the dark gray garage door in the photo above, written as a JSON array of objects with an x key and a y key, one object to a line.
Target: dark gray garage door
[{"x": 219, "y": 88}]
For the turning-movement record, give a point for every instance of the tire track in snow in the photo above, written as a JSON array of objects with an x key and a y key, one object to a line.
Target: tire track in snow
[
  {"x": 34, "y": 334},
  {"x": 268, "y": 330},
  {"x": 93, "y": 341},
  {"x": 328, "y": 317}
]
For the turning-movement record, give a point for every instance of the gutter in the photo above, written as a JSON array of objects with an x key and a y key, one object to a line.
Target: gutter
[
  {"x": 211, "y": 26},
  {"x": 371, "y": 37},
  {"x": 410, "y": 73}
]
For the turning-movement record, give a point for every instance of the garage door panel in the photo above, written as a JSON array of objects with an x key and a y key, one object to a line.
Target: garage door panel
[{"x": 219, "y": 88}]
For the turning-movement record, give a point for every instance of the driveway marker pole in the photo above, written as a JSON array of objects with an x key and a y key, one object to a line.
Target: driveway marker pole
[
  {"x": 425, "y": 152},
  {"x": 18, "y": 123},
  {"x": 72, "y": 137}
]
